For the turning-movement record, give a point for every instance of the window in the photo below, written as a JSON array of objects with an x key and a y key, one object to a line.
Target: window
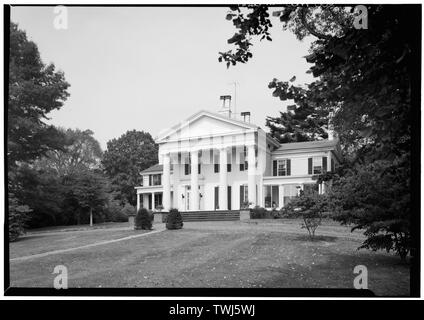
[
  {"x": 187, "y": 169},
  {"x": 199, "y": 170},
  {"x": 271, "y": 197},
  {"x": 317, "y": 165},
  {"x": 187, "y": 165},
  {"x": 155, "y": 179},
  {"x": 243, "y": 160},
  {"x": 290, "y": 191},
  {"x": 158, "y": 200},
  {"x": 281, "y": 167},
  {"x": 229, "y": 167},
  {"x": 216, "y": 163},
  {"x": 332, "y": 165}
]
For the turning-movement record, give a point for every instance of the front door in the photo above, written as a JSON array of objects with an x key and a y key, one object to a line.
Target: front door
[
  {"x": 187, "y": 198},
  {"x": 216, "y": 198}
]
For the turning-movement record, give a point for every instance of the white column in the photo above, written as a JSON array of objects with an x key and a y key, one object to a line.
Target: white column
[
  {"x": 153, "y": 201},
  {"x": 251, "y": 175},
  {"x": 328, "y": 161},
  {"x": 138, "y": 201},
  {"x": 145, "y": 200},
  {"x": 166, "y": 182},
  {"x": 194, "y": 194},
  {"x": 223, "y": 200}
]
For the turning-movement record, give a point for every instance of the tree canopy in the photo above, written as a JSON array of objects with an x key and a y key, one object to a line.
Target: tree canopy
[
  {"x": 364, "y": 81},
  {"x": 126, "y": 157},
  {"x": 35, "y": 89}
]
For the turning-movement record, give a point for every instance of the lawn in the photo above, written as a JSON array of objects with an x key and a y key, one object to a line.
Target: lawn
[{"x": 256, "y": 253}]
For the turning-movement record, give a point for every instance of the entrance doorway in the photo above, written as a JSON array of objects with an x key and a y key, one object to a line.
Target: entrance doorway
[{"x": 229, "y": 197}]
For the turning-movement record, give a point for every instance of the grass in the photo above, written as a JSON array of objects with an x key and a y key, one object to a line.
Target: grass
[{"x": 261, "y": 253}]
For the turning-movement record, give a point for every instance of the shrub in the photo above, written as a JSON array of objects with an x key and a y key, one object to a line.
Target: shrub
[
  {"x": 258, "y": 213},
  {"x": 309, "y": 207},
  {"x": 18, "y": 215},
  {"x": 143, "y": 220},
  {"x": 115, "y": 212},
  {"x": 126, "y": 211},
  {"x": 174, "y": 220},
  {"x": 376, "y": 198}
]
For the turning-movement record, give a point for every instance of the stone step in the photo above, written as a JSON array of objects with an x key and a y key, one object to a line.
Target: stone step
[{"x": 230, "y": 215}]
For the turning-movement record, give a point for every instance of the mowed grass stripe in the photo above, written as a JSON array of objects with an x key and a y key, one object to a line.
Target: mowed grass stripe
[{"x": 44, "y": 254}]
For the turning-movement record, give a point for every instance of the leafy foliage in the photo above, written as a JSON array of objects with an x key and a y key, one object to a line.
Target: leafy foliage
[
  {"x": 174, "y": 220},
  {"x": 35, "y": 89},
  {"x": 125, "y": 158},
  {"x": 363, "y": 87},
  {"x": 143, "y": 219},
  {"x": 309, "y": 206},
  {"x": 81, "y": 152},
  {"x": 18, "y": 215},
  {"x": 50, "y": 186},
  {"x": 378, "y": 202},
  {"x": 87, "y": 192}
]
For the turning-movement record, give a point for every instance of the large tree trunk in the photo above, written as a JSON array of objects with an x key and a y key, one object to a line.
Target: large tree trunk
[{"x": 91, "y": 217}]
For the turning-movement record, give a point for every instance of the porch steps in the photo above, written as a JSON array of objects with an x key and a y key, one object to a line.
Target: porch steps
[{"x": 227, "y": 215}]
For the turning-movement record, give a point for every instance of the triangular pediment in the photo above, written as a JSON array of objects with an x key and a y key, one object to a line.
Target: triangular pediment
[{"x": 204, "y": 123}]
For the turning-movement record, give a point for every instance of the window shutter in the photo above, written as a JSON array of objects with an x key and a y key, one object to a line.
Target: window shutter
[
  {"x": 150, "y": 179},
  {"x": 309, "y": 165},
  {"x": 324, "y": 164},
  {"x": 274, "y": 168},
  {"x": 186, "y": 168},
  {"x": 198, "y": 169},
  {"x": 288, "y": 164}
]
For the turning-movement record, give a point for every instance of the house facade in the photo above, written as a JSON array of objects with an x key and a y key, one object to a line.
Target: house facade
[{"x": 212, "y": 161}]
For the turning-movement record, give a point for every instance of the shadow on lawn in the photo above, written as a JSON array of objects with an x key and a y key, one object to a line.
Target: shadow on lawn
[
  {"x": 315, "y": 239},
  {"x": 387, "y": 275}
]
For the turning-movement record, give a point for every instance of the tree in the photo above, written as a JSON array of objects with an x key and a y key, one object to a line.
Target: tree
[
  {"x": 35, "y": 89},
  {"x": 125, "y": 158},
  {"x": 364, "y": 83},
  {"x": 18, "y": 215},
  {"x": 378, "y": 203},
  {"x": 82, "y": 152},
  {"x": 307, "y": 119},
  {"x": 44, "y": 193},
  {"x": 309, "y": 206},
  {"x": 363, "y": 76},
  {"x": 89, "y": 193},
  {"x": 51, "y": 177}
]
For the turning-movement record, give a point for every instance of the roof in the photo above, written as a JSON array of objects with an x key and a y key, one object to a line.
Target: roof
[
  {"x": 308, "y": 145},
  {"x": 200, "y": 114},
  {"x": 154, "y": 168}
]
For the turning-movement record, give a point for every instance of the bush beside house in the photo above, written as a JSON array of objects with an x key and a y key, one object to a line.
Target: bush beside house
[
  {"x": 174, "y": 220},
  {"x": 143, "y": 220},
  {"x": 261, "y": 213}
]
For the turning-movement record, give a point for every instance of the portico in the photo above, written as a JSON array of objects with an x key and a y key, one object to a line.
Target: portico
[{"x": 211, "y": 162}]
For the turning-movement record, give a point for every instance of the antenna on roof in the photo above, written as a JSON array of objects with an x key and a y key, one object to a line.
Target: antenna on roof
[{"x": 235, "y": 83}]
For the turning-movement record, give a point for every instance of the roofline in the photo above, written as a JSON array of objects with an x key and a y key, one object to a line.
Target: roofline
[
  {"x": 184, "y": 123},
  {"x": 154, "y": 171}
]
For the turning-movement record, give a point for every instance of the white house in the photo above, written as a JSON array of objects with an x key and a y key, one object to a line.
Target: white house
[{"x": 212, "y": 161}]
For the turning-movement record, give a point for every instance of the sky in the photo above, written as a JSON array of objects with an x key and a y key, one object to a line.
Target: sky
[{"x": 148, "y": 68}]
